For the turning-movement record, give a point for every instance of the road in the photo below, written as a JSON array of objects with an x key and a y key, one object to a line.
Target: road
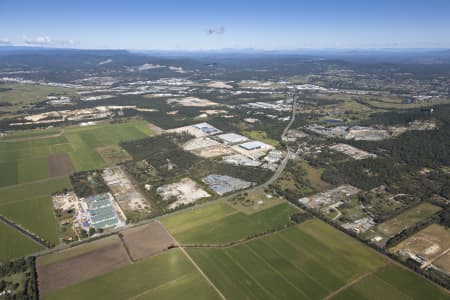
[{"x": 283, "y": 164}]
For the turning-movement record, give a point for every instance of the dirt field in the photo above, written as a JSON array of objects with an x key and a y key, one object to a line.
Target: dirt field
[
  {"x": 184, "y": 191},
  {"x": 113, "y": 154},
  {"x": 213, "y": 151},
  {"x": 71, "y": 270},
  {"x": 60, "y": 165},
  {"x": 431, "y": 243},
  {"x": 193, "y": 102},
  {"x": 443, "y": 262},
  {"x": 147, "y": 240}
]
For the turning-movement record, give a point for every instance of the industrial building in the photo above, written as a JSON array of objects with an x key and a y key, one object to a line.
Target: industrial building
[
  {"x": 206, "y": 128},
  {"x": 253, "y": 145},
  {"x": 222, "y": 184},
  {"x": 101, "y": 213},
  {"x": 232, "y": 138}
]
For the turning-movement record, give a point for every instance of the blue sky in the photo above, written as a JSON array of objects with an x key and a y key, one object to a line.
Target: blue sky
[{"x": 202, "y": 25}]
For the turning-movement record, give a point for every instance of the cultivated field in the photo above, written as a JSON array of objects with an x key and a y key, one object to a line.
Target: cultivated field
[
  {"x": 38, "y": 159},
  {"x": 406, "y": 219},
  {"x": 169, "y": 275},
  {"x": 74, "y": 265},
  {"x": 14, "y": 245},
  {"x": 309, "y": 261},
  {"x": 30, "y": 206},
  {"x": 146, "y": 240},
  {"x": 35, "y": 215},
  {"x": 221, "y": 223}
]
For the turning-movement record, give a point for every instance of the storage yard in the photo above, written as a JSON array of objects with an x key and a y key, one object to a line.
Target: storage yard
[
  {"x": 123, "y": 190},
  {"x": 353, "y": 152},
  {"x": 329, "y": 197},
  {"x": 183, "y": 192}
]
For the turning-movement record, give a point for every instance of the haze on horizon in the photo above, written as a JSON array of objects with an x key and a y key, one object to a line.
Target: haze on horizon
[{"x": 205, "y": 25}]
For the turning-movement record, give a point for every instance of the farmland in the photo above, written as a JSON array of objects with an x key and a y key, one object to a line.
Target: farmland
[
  {"x": 34, "y": 214},
  {"x": 14, "y": 244},
  {"x": 406, "y": 219},
  {"x": 28, "y": 160},
  {"x": 309, "y": 261},
  {"x": 30, "y": 206},
  {"x": 221, "y": 223},
  {"x": 176, "y": 278},
  {"x": 21, "y": 95}
]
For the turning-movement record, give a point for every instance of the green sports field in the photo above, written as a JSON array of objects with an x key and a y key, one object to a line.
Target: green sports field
[
  {"x": 14, "y": 245},
  {"x": 220, "y": 223},
  {"x": 169, "y": 275},
  {"x": 309, "y": 261}
]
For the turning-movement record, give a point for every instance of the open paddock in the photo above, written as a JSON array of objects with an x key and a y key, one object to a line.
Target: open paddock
[
  {"x": 169, "y": 275},
  {"x": 60, "y": 165},
  {"x": 74, "y": 265},
  {"x": 146, "y": 240}
]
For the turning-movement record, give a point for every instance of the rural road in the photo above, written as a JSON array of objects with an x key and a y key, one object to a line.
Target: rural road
[{"x": 283, "y": 164}]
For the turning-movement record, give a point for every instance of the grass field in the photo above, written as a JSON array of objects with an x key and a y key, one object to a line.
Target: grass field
[
  {"x": 309, "y": 261},
  {"x": 167, "y": 276},
  {"x": 392, "y": 283},
  {"x": 14, "y": 245},
  {"x": 27, "y": 161},
  {"x": 32, "y": 133},
  {"x": 23, "y": 94},
  {"x": 406, "y": 219},
  {"x": 35, "y": 215},
  {"x": 261, "y": 136},
  {"x": 313, "y": 175},
  {"x": 220, "y": 223},
  {"x": 30, "y": 206}
]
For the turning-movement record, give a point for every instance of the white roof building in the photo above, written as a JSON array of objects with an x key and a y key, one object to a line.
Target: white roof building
[
  {"x": 232, "y": 138},
  {"x": 252, "y": 145}
]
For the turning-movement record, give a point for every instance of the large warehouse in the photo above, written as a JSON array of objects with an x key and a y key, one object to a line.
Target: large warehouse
[
  {"x": 253, "y": 145},
  {"x": 232, "y": 138}
]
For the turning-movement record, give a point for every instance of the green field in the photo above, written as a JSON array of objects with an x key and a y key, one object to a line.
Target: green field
[
  {"x": 33, "y": 133},
  {"x": 220, "y": 223},
  {"x": 167, "y": 276},
  {"x": 30, "y": 206},
  {"x": 21, "y": 95},
  {"x": 27, "y": 161},
  {"x": 392, "y": 283},
  {"x": 406, "y": 219},
  {"x": 29, "y": 191},
  {"x": 14, "y": 245},
  {"x": 34, "y": 214},
  {"x": 309, "y": 261},
  {"x": 261, "y": 136}
]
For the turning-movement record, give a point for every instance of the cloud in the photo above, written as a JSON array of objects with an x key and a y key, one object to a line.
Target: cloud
[
  {"x": 5, "y": 42},
  {"x": 38, "y": 40},
  {"x": 44, "y": 40},
  {"x": 216, "y": 30}
]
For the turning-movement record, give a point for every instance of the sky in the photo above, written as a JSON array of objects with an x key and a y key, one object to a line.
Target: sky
[{"x": 206, "y": 25}]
